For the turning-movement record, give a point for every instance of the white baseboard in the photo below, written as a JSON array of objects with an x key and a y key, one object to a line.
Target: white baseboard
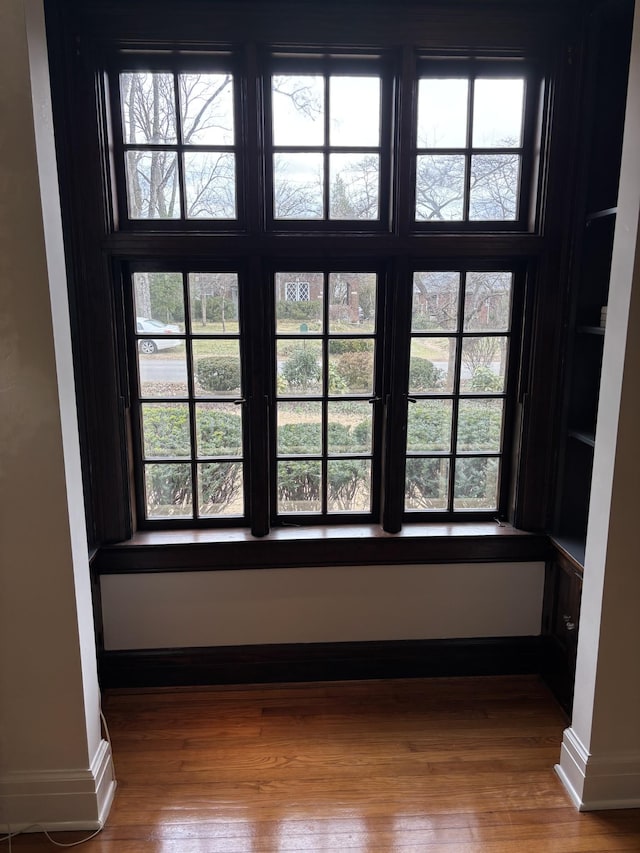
[
  {"x": 597, "y": 782},
  {"x": 58, "y": 800}
]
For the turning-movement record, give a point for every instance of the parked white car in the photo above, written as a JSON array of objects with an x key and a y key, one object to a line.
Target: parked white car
[{"x": 151, "y": 345}]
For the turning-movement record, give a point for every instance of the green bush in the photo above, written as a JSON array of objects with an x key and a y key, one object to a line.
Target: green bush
[
  {"x": 218, "y": 374},
  {"x": 424, "y": 375},
  {"x": 299, "y": 439},
  {"x": 301, "y": 370},
  {"x": 340, "y": 346},
  {"x": 219, "y": 433},
  {"x": 303, "y": 311},
  {"x": 429, "y": 426},
  {"x": 166, "y": 433},
  {"x": 484, "y": 379},
  {"x": 298, "y": 482},
  {"x": 356, "y": 368},
  {"x": 345, "y": 478}
]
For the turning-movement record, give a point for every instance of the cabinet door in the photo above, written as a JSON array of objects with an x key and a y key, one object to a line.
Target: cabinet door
[{"x": 561, "y": 615}]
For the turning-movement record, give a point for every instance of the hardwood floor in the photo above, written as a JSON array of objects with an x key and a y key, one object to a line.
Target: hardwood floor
[{"x": 461, "y": 765}]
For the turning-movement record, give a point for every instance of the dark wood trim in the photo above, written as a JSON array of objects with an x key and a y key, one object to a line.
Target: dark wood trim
[
  {"x": 323, "y": 545},
  {"x": 320, "y": 662}
]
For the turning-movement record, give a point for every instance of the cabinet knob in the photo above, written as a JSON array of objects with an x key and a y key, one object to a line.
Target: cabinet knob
[{"x": 568, "y": 623}]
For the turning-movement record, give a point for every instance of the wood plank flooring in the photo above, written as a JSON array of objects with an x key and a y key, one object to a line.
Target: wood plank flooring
[{"x": 460, "y": 765}]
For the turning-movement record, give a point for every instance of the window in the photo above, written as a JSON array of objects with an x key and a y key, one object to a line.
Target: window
[
  {"x": 336, "y": 375},
  {"x": 319, "y": 250}
]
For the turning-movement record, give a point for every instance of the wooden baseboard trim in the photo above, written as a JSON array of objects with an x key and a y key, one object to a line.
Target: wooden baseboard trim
[{"x": 320, "y": 662}]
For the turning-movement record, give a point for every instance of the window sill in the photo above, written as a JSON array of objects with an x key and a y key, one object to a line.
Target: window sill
[{"x": 296, "y": 547}]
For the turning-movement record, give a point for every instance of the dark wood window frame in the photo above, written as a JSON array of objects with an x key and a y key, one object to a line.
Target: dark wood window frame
[{"x": 83, "y": 38}]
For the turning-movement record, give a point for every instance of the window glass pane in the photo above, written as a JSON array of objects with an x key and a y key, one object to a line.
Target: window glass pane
[
  {"x": 159, "y": 298},
  {"x": 220, "y": 489},
  {"x": 298, "y": 181},
  {"x": 152, "y": 184},
  {"x": 298, "y": 109},
  {"x": 355, "y": 111},
  {"x": 476, "y": 485},
  {"x": 432, "y": 365},
  {"x": 299, "y": 487},
  {"x": 497, "y": 113},
  {"x": 354, "y": 186},
  {"x": 494, "y": 186},
  {"x": 484, "y": 363},
  {"x": 429, "y": 426},
  {"x": 299, "y": 367},
  {"x": 162, "y": 367},
  {"x": 348, "y": 485},
  {"x": 216, "y": 367},
  {"x": 435, "y": 301},
  {"x": 351, "y": 366},
  {"x": 487, "y": 301},
  {"x": 440, "y": 187},
  {"x": 442, "y": 113},
  {"x": 168, "y": 491},
  {"x": 214, "y": 303},
  {"x": 299, "y": 301},
  {"x": 218, "y": 429},
  {"x": 148, "y": 108},
  {"x": 210, "y": 185},
  {"x": 206, "y": 109},
  {"x": 299, "y": 429},
  {"x": 426, "y": 484},
  {"x": 165, "y": 429},
  {"x": 480, "y": 425},
  {"x": 349, "y": 427},
  {"x": 352, "y": 303}
]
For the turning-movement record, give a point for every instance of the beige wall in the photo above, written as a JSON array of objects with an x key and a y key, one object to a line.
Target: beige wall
[{"x": 49, "y": 700}]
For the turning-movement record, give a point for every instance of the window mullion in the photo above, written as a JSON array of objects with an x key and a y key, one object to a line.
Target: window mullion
[
  {"x": 398, "y": 320},
  {"x": 403, "y": 163},
  {"x": 250, "y": 122},
  {"x": 256, "y": 327}
]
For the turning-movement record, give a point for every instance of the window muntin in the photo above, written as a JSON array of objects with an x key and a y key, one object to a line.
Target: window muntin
[
  {"x": 179, "y": 145},
  {"x": 457, "y": 387},
  {"x": 469, "y": 147},
  {"x": 326, "y": 131},
  {"x": 325, "y": 369},
  {"x": 190, "y": 382}
]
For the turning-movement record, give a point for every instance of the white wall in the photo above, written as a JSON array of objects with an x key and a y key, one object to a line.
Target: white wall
[
  {"x": 600, "y": 761},
  {"x": 54, "y": 765},
  {"x": 312, "y": 605}
]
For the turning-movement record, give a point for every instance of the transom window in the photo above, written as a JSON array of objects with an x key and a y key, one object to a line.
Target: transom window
[
  {"x": 178, "y": 135},
  {"x": 326, "y": 134},
  {"x": 469, "y": 144},
  {"x": 365, "y": 379}
]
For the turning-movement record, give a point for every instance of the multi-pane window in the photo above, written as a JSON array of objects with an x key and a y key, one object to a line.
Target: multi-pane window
[
  {"x": 326, "y": 136},
  {"x": 459, "y": 347},
  {"x": 189, "y": 386},
  {"x": 179, "y": 147},
  {"x": 469, "y": 142},
  {"x": 324, "y": 378}
]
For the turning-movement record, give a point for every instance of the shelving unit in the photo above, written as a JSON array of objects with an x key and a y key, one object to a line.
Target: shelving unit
[{"x": 606, "y": 53}]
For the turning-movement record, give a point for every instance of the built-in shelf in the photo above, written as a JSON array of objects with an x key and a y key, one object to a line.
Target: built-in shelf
[
  {"x": 601, "y": 214},
  {"x": 572, "y": 547},
  {"x": 591, "y": 330},
  {"x": 583, "y": 436}
]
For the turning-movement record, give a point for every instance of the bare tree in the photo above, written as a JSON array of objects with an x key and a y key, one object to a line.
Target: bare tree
[{"x": 493, "y": 186}]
